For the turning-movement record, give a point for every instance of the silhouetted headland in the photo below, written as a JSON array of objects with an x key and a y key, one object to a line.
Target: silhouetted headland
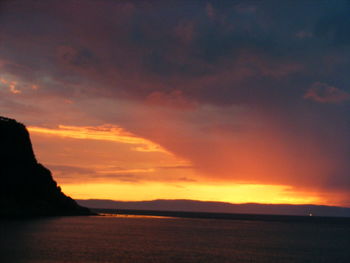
[{"x": 27, "y": 187}]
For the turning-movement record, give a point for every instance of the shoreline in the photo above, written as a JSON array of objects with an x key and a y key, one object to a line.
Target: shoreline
[{"x": 226, "y": 216}]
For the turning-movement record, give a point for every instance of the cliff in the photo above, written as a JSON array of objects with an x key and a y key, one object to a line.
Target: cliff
[{"x": 27, "y": 187}]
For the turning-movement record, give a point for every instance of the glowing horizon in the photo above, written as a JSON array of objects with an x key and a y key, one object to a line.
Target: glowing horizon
[
  {"x": 107, "y": 181},
  {"x": 247, "y": 193}
]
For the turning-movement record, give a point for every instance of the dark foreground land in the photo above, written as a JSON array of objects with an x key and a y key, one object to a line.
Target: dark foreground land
[
  {"x": 27, "y": 188},
  {"x": 228, "y": 216}
]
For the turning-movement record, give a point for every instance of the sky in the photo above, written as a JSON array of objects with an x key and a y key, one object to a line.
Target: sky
[{"x": 235, "y": 101}]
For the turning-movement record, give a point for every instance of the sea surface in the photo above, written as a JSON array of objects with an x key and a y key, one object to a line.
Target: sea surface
[{"x": 161, "y": 239}]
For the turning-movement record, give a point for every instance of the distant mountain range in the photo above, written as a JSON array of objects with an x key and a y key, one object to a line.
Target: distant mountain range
[{"x": 220, "y": 207}]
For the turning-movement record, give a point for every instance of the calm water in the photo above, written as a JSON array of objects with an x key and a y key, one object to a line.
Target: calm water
[{"x": 147, "y": 239}]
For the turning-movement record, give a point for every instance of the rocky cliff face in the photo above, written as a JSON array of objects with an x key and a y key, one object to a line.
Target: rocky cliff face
[{"x": 27, "y": 187}]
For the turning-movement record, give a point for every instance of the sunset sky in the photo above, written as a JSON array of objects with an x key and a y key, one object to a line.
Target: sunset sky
[{"x": 236, "y": 101}]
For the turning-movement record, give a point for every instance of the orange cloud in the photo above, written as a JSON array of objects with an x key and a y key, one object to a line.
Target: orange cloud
[
  {"x": 3, "y": 81},
  {"x": 13, "y": 88},
  {"x": 11, "y": 85},
  {"x": 126, "y": 171},
  {"x": 105, "y": 133}
]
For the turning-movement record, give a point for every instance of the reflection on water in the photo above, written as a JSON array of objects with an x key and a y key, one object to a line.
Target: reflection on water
[
  {"x": 145, "y": 239},
  {"x": 135, "y": 216}
]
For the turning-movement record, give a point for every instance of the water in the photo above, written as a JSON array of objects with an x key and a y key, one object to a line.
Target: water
[{"x": 150, "y": 239}]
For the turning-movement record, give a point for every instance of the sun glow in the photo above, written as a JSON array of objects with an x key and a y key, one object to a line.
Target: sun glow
[
  {"x": 101, "y": 158},
  {"x": 235, "y": 193}
]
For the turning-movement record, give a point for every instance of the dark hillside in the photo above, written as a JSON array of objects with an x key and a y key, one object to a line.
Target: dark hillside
[{"x": 27, "y": 187}]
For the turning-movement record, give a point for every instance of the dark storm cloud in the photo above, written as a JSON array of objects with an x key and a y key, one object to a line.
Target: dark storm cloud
[
  {"x": 324, "y": 93},
  {"x": 76, "y": 57},
  {"x": 236, "y": 48},
  {"x": 243, "y": 50}
]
